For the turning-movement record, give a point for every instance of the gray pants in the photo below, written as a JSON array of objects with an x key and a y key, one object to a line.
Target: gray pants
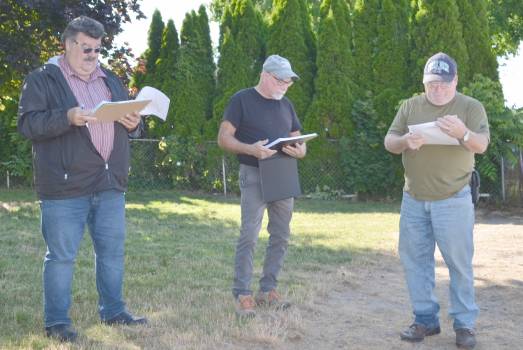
[{"x": 253, "y": 208}]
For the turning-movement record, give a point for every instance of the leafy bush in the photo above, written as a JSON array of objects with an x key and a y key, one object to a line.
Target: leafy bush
[
  {"x": 15, "y": 153},
  {"x": 193, "y": 165},
  {"x": 369, "y": 169},
  {"x": 506, "y": 131}
]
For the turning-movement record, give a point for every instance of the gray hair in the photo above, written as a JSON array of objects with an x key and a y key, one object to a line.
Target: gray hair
[{"x": 83, "y": 24}]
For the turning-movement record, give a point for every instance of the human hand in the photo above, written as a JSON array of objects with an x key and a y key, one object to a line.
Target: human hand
[
  {"x": 79, "y": 117},
  {"x": 413, "y": 141},
  {"x": 296, "y": 150},
  {"x": 259, "y": 151},
  {"x": 452, "y": 126},
  {"x": 130, "y": 121}
]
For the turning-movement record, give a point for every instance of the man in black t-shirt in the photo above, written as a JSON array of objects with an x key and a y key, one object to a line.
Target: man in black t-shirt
[{"x": 254, "y": 117}]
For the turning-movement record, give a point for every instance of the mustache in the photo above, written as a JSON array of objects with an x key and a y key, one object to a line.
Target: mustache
[{"x": 90, "y": 59}]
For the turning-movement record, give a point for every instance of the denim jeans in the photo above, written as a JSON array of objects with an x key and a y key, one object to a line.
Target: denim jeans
[
  {"x": 253, "y": 208},
  {"x": 63, "y": 225},
  {"x": 449, "y": 224}
]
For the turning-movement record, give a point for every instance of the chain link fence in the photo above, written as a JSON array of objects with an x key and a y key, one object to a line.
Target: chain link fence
[
  {"x": 158, "y": 166},
  {"x": 153, "y": 168},
  {"x": 512, "y": 181}
]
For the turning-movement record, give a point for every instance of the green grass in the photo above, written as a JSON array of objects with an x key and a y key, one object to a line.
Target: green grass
[{"x": 179, "y": 266}]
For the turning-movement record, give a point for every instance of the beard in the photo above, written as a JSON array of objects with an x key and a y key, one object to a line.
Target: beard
[{"x": 277, "y": 96}]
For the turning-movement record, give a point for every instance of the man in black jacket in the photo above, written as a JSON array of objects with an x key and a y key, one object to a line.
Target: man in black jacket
[{"x": 80, "y": 173}]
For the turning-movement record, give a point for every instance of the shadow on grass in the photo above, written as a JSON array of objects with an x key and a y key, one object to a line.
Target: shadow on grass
[
  {"x": 179, "y": 257},
  {"x": 495, "y": 217}
]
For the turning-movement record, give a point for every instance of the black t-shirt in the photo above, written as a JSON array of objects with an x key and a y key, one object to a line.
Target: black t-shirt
[{"x": 258, "y": 118}]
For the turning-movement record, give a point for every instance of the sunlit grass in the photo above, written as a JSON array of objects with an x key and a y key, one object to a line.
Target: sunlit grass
[{"x": 179, "y": 266}]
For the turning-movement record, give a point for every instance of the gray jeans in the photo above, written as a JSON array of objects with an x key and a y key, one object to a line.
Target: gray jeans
[{"x": 253, "y": 208}]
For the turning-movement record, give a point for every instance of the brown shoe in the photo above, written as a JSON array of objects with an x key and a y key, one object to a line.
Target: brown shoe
[
  {"x": 465, "y": 338},
  {"x": 417, "y": 332},
  {"x": 272, "y": 299},
  {"x": 245, "y": 306}
]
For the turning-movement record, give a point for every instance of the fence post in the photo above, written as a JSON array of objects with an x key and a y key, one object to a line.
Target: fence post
[
  {"x": 224, "y": 177},
  {"x": 502, "y": 179},
  {"x": 8, "y": 184}
]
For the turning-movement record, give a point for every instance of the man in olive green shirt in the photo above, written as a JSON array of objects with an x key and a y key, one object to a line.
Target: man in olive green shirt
[{"x": 437, "y": 206}]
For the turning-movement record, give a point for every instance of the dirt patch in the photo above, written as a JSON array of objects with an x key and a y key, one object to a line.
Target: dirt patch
[{"x": 366, "y": 304}]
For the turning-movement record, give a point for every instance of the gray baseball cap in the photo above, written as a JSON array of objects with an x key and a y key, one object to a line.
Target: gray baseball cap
[
  {"x": 440, "y": 67},
  {"x": 280, "y": 67}
]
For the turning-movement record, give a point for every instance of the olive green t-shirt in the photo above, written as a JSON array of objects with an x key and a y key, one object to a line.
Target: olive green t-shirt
[{"x": 436, "y": 172}]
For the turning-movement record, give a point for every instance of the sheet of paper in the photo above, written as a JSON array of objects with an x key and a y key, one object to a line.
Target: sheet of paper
[
  {"x": 432, "y": 134},
  {"x": 290, "y": 140},
  {"x": 159, "y": 105},
  {"x": 112, "y": 111}
]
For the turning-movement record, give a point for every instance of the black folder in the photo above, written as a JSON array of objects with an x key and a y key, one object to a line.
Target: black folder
[{"x": 279, "y": 177}]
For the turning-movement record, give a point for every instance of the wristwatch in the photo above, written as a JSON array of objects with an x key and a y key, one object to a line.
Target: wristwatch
[{"x": 466, "y": 137}]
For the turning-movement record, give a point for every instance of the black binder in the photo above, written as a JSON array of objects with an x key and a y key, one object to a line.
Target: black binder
[{"x": 279, "y": 177}]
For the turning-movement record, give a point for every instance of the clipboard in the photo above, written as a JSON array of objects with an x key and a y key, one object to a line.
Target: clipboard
[
  {"x": 112, "y": 111},
  {"x": 279, "y": 177},
  {"x": 282, "y": 141}
]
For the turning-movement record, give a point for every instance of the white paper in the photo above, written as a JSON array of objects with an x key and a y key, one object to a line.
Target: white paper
[
  {"x": 292, "y": 139},
  {"x": 432, "y": 134},
  {"x": 159, "y": 105}
]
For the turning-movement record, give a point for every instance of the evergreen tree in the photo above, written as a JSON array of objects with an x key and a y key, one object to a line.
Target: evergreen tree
[
  {"x": 291, "y": 37},
  {"x": 154, "y": 42},
  {"x": 437, "y": 28},
  {"x": 194, "y": 82},
  {"x": 392, "y": 52},
  {"x": 242, "y": 48},
  {"x": 165, "y": 78},
  {"x": 169, "y": 53},
  {"x": 365, "y": 32},
  {"x": 206, "y": 62},
  {"x": 249, "y": 32},
  {"x": 474, "y": 18},
  {"x": 329, "y": 113}
]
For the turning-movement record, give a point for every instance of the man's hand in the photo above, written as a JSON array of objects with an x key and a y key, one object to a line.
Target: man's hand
[
  {"x": 130, "y": 121},
  {"x": 259, "y": 151},
  {"x": 413, "y": 141},
  {"x": 297, "y": 150},
  {"x": 79, "y": 117},
  {"x": 452, "y": 126}
]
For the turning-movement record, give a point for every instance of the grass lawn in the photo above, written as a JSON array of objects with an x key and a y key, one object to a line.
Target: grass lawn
[{"x": 179, "y": 266}]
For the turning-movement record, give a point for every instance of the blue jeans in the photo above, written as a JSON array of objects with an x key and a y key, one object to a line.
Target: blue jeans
[
  {"x": 449, "y": 224},
  {"x": 63, "y": 225}
]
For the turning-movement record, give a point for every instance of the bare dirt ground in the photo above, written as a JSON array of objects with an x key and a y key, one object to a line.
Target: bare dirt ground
[{"x": 365, "y": 305}]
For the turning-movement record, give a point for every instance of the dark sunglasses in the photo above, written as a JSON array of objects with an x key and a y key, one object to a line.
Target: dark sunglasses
[{"x": 88, "y": 50}]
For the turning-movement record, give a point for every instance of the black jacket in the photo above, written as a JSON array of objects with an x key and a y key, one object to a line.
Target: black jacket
[{"x": 66, "y": 164}]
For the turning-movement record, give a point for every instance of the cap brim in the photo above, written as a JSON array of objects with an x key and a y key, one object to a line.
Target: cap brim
[
  {"x": 429, "y": 78},
  {"x": 286, "y": 74}
]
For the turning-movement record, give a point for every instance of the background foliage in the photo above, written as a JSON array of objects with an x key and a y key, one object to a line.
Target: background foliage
[{"x": 357, "y": 60}]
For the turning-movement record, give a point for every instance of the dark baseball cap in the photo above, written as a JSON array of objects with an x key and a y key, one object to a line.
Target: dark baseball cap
[{"x": 440, "y": 67}]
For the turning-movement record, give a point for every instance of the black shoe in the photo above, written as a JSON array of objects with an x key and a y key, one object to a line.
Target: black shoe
[
  {"x": 125, "y": 318},
  {"x": 61, "y": 332},
  {"x": 417, "y": 332},
  {"x": 465, "y": 338}
]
